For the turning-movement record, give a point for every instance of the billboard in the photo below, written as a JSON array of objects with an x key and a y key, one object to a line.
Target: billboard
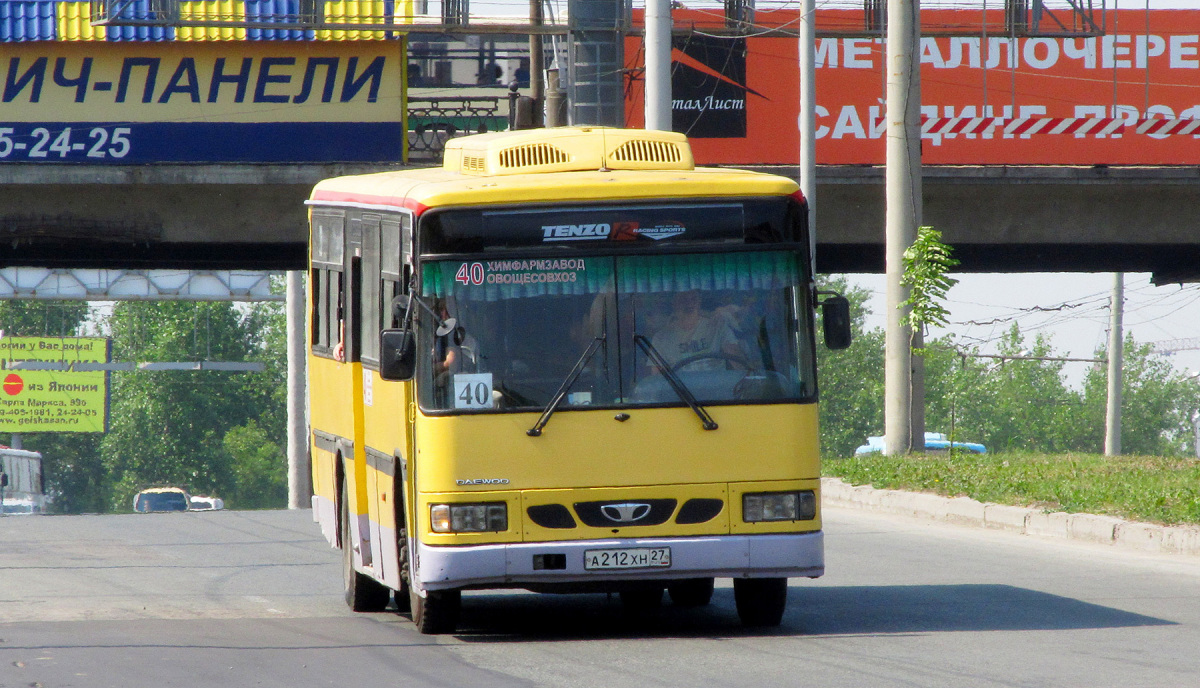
[
  {"x": 707, "y": 86},
  {"x": 986, "y": 100},
  {"x": 54, "y": 400},
  {"x": 55, "y": 349},
  {"x": 202, "y": 102}
]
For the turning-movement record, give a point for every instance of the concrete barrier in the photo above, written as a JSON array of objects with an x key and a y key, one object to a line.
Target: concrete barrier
[
  {"x": 1047, "y": 523},
  {"x": 963, "y": 510},
  {"x": 1005, "y": 517},
  {"x": 1093, "y": 528},
  {"x": 1145, "y": 537}
]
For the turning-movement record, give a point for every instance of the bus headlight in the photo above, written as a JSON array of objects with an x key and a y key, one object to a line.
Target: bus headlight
[
  {"x": 779, "y": 506},
  {"x": 468, "y": 518}
]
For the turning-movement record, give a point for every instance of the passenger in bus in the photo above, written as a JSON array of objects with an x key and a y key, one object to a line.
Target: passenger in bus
[
  {"x": 455, "y": 352},
  {"x": 339, "y": 349},
  {"x": 692, "y": 334}
]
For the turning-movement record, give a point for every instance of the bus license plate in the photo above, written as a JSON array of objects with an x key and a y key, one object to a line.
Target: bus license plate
[{"x": 638, "y": 558}]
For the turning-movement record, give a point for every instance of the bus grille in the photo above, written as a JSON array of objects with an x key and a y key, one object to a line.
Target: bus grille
[
  {"x": 647, "y": 151},
  {"x": 533, "y": 155}
]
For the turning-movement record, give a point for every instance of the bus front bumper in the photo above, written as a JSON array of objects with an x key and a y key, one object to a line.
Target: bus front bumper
[{"x": 727, "y": 556}]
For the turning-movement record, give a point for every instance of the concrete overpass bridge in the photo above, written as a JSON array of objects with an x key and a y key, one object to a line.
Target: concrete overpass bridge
[
  {"x": 998, "y": 219},
  {"x": 193, "y": 140}
]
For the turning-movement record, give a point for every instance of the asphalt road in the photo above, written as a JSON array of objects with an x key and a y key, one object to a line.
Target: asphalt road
[{"x": 253, "y": 599}]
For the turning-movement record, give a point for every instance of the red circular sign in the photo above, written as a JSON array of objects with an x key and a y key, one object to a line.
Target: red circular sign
[{"x": 13, "y": 384}]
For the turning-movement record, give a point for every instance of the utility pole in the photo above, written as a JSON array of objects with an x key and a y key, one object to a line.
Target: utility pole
[
  {"x": 299, "y": 471},
  {"x": 1116, "y": 345},
  {"x": 537, "y": 65},
  {"x": 1196, "y": 432},
  {"x": 903, "y": 180},
  {"x": 808, "y": 120},
  {"x": 658, "y": 65}
]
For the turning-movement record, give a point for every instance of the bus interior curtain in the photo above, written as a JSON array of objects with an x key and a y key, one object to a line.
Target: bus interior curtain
[
  {"x": 496, "y": 280},
  {"x": 706, "y": 272}
]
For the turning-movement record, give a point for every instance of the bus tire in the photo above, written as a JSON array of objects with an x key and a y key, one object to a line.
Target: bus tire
[
  {"x": 437, "y": 612},
  {"x": 693, "y": 592},
  {"x": 641, "y": 599},
  {"x": 363, "y": 593},
  {"x": 760, "y": 601},
  {"x": 402, "y": 597}
]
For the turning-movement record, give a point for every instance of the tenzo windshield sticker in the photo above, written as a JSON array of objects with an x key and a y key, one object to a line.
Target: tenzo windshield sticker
[
  {"x": 583, "y": 232},
  {"x": 545, "y": 271},
  {"x": 617, "y": 231},
  {"x": 662, "y": 230}
]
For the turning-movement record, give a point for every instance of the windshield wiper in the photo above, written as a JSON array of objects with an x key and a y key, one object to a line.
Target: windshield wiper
[
  {"x": 536, "y": 430},
  {"x": 672, "y": 379}
]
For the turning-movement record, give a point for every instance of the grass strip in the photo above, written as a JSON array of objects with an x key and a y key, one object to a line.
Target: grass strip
[{"x": 1152, "y": 489}]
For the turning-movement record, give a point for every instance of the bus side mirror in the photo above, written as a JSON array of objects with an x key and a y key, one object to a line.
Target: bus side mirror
[
  {"x": 835, "y": 314},
  {"x": 397, "y": 355}
]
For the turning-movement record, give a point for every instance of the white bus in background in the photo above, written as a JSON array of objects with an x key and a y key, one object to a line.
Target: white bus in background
[{"x": 25, "y": 491}]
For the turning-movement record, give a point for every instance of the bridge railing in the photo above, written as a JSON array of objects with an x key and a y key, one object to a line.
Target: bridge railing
[{"x": 434, "y": 120}]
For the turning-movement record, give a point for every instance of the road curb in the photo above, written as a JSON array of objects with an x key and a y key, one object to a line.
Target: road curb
[{"x": 1132, "y": 535}]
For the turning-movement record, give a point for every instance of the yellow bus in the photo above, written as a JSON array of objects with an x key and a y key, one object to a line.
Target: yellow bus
[{"x": 566, "y": 360}]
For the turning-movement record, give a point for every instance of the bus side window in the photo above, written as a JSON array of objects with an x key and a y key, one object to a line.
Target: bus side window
[
  {"x": 326, "y": 281},
  {"x": 369, "y": 318},
  {"x": 394, "y": 270},
  {"x": 320, "y": 312}
]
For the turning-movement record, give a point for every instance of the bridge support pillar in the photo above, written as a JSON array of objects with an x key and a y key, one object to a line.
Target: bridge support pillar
[{"x": 299, "y": 472}]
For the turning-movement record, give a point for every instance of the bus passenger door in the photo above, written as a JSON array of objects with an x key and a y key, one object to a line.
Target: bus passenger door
[{"x": 385, "y": 270}]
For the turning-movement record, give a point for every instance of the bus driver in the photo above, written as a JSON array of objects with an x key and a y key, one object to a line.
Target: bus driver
[{"x": 690, "y": 333}]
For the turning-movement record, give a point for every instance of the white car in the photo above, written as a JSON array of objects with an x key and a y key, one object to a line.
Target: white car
[
  {"x": 20, "y": 507},
  {"x": 935, "y": 442},
  {"x": 206, "y": 503},
  {"x": 158, "y": 499}
]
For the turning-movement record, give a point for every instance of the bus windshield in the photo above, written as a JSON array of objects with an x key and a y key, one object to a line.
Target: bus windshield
[{"x": 730, "y": 326}]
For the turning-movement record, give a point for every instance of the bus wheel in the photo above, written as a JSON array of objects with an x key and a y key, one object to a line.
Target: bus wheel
[
  {"x": 437, "y": 612},
  {"x": 403, "y": 599},
  {"x": 641, "y": 599},
  {"x": 402, "y": 596},
  {"x": 694, "y": 592},
  {"x": 760, "y": 601},
  {"x": 363, "y": 593}
]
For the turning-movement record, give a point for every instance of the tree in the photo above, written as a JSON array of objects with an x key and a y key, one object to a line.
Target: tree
[
  {"x": 851, "y": 380},
  {"x": 1021, "y": 402},
  {"x": 926, "y": 263},
  {"x": 1157, "y": 407},
  {"x": 257, "y": 449},
  {"x": 1007, "y": 404},
  {"x": 259, "y": 468},
  {"x": 170, "y": 426}
]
